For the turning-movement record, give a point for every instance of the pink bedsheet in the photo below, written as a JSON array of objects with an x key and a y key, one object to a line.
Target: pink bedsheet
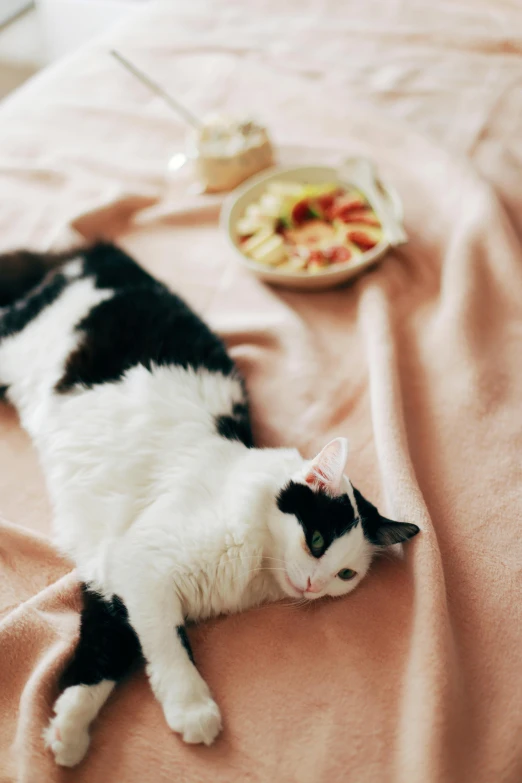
[{"x": 416, "y": 678}]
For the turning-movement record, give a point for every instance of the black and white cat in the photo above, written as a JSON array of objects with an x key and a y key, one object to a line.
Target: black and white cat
[{"x": 160, "y": 498}]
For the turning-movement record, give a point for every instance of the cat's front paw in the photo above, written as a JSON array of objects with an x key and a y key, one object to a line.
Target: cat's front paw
[
  {"x": 198, "y": 722},
  {"x": 67, "y": 742}
]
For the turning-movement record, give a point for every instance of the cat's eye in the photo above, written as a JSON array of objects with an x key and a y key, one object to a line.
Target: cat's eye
[
  {"x": 317, "y": 541},
  {"x": 346, "y": 574}
]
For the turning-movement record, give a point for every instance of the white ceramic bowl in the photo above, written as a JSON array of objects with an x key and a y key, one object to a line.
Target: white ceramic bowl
[{"x": 236, "y": 203}]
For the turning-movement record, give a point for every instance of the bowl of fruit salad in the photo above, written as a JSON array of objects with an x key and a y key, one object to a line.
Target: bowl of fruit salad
[{"x": 306, "y": 227}]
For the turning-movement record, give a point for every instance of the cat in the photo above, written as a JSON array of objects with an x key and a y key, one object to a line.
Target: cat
[{"x": 159, "y": 496}]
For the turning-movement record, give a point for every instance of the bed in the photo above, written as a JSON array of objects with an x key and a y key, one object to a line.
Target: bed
[{"x": 416, "y": 677}]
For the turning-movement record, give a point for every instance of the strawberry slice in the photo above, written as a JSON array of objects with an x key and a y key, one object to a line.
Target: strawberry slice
[
  {"x": 344, "y": 205},
  {"x": 337, "y": 254},
  {"x": 329, "y": 253},
  {"x": 363, "y": 216},
  {"x": 325, "y": 202},
  {"x": 341, "y": 254},
  {"x": 350, "y": 200},
  {"x": 317, "y": 258},
  {"x": 361, "y": 239},
  {"x": 301, "y": 212}
]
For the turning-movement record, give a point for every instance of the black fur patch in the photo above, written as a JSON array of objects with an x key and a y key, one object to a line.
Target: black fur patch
[
  {"x": 17, "y": 316},
  {"x": 237, "y": 425},
  {"x": 108, "y": 648},
  {"x": 143, "y": 323},
  {"x": 182, "y": 636},
  {"x": 379, "y": 530},
  {"x": 21, "y": 271},
  {"x": 113, "y": 268},
  {"x": 317, "y": 511},
  {"x": 3, "y": 392}
]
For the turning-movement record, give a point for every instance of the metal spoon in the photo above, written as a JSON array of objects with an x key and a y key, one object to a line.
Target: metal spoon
[
  {"x": 362, "y": 173},
  {"x": 155, "y": 87}
]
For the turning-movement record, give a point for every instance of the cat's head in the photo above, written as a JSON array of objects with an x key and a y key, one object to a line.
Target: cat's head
[{"x": 325, "y": 531}]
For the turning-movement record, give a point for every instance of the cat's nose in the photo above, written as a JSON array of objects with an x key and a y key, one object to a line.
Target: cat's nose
[{"x": 313, "y": 588}]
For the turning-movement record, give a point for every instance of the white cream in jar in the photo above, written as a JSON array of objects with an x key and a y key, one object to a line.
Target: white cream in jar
[{"x": 227, "y": 151}]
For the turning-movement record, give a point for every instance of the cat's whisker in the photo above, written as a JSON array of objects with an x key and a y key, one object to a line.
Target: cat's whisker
[
  {"x": 254, "y": 570},
  {"x": 249, "y": 557}
]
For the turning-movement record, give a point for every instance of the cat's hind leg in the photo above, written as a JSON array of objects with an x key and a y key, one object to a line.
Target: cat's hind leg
[{"x": 107, "y": 650}]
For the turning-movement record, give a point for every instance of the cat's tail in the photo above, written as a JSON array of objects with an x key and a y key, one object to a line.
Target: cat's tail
[{"x": 21, "y": 271}]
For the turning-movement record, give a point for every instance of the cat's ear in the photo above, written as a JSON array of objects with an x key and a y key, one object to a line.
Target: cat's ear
[
  {"x": 380, "y": 530},
  {"x": 326, "y": 470},
  {"x": 386, "y": 532}
]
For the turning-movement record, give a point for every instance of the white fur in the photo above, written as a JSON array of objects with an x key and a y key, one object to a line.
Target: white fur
[
  {"x": 32, "y": 361},
  {"x": 154, "y": 506},
  {"x": 67, "y": 734}
]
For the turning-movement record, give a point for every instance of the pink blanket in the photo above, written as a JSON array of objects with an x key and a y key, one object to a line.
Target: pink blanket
[{"x": 416, "y": 678}]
